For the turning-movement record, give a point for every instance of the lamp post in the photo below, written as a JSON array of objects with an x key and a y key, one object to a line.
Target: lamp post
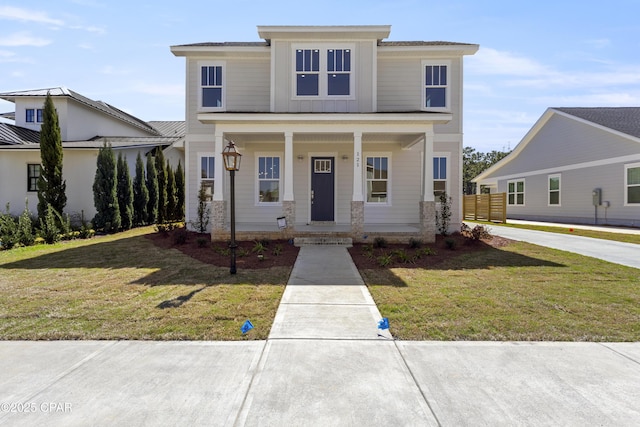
[{"x": 232, "y": 164}]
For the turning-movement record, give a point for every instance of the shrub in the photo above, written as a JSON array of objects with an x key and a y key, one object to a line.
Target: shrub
[
  {"x": 426, "y": 251},
  {"x": 202, "y": 221},
  {"x": 258, "y": 247},
  {"x": 402, "y": 256},
  {"x": 202, "y": 242},
  {"x": 49, "y": 231},
  {"x": 8, "y": 230},
  {"x": 380, "y": 242},
  {"x": 25, "y": 234},
  {"x": 277, "y": 250},
  {"x": 384, "y": 260},
  {"x": 415, "y": 243},
  {"x": 451, "y": 244},
  {"x": 180, "y": 235},
  {"x": 443, "y": 217}
]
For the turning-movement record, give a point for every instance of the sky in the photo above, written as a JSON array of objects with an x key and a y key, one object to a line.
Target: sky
[{"x": 532, "y": 56}]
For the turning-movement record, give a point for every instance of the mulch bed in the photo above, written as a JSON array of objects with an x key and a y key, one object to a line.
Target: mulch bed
[{"x": 282, "y": 253}]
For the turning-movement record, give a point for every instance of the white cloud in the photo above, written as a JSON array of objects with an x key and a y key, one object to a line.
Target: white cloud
[
  {"x": 27, "y": 15},
  {"x": 499, "y": 63},
  {"x": 23, "y": 39}
]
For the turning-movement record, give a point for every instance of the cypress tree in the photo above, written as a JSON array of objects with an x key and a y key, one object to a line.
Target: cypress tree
[
  {"x": 51, "y": 186},
  {"x": 105, "y": 194},
  {"x": 152, "y": 187},
  {"x": 162, "y": 186},
  {"x": 125, "y": 193},
  {"x": 140, "y": 194},
  {"x": 171, "y": 194},
  {"x": 180, "y": 192}
]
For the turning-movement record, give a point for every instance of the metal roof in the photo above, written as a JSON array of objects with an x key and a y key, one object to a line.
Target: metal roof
[
  {"x": 170, "y": 128},
  {"x": 621, "y": 119},
  {"x": 16, "y": 135},
  {"x": 101, "y": 106}
]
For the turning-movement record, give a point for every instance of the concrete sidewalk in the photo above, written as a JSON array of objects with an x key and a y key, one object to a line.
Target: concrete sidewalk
[{"x": 324, "y": 363}]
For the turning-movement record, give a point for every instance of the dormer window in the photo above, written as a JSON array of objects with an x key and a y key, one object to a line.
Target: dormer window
[
  {"x": 323, "y": 71},
  {"x": 33, "y": 115}
]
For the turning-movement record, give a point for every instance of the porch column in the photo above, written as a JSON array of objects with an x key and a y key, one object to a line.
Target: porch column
[
  {"x": 357, "y": 199},
  {"x": 427, "y": 203},
  {"x": 218, "y": 211},
  {"x": 288, "y": 200}
]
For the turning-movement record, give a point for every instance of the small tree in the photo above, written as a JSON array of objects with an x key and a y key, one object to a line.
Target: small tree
[
  {"x": 162, "y": 186},
  {"x": 125, "y": 193},
  {"x": 105, "y": 194},
  {"x": 171, "y": 194},
  {"x": 152, "y": 187},
  {"x": 180, "y": 192},
  {"x": 25, "y": 227},
  {"x": 49, "y": 230},
  {"x": 140, "y": 194},
  {"x": 202, "y": 222},
  {"x": 51, "y": 186},
  {"x": 8, "y": 230}
]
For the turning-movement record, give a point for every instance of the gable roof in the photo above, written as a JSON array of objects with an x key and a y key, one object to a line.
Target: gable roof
[
  {"x": 170, "y": 128},
  {"x": 619, "y": 120},
  {"x": 622, "y": 119},
  {"x": 14, "y": 135},
  {"x": 100, "y": 106}
]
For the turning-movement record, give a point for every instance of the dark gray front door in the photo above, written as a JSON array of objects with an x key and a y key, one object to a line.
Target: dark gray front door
[{"x": 322, "y": 188}]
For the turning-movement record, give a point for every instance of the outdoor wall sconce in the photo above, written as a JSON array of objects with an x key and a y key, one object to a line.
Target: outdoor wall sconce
[
  {"x": 300, "y": 157},
  {"x": 345, "y": 157}
]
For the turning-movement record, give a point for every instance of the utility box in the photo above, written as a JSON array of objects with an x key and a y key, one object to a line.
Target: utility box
[{"x": 597, "y": 196}]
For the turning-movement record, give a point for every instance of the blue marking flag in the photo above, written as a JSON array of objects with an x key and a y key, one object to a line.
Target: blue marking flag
[
  {"x": 383, "y": 323},
  {"x": 246, "y": 327}
]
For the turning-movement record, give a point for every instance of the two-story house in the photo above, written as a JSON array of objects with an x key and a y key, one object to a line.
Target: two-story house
[
  {"x": 85, "y": 126},
  {"x": 341, "y": 133}
]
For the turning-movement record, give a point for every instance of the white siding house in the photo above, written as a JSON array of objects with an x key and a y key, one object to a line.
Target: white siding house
[
  {"x": 339, "y": 131},
  {"x": 576, "y": 165},
  {"x": 85, "y": 125}
]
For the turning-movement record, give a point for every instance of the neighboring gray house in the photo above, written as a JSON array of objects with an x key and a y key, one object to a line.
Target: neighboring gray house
[
  {"x": 578, "y": 165},
  {"x": 85, "y": 125},
  {"x": 341, "y": 132}
]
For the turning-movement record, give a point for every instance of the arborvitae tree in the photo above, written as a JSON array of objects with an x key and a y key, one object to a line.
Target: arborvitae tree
[
  {"x": 125, "y": 193},
  {"x": 171, "y": 194},
  {"x": 180, "y": 192},
  {"x": 152, "y": 187},
  {"x": 105, "y": 196},
  {"x": 51, "y": 186},
  {"x": 162, "y": 186},
  {"x": 140, "y": 194}
]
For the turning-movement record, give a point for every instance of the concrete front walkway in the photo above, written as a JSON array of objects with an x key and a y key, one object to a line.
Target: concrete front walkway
[{"x": 324, "y": 364}]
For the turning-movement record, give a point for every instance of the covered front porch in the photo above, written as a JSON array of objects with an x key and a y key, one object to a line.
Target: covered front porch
[{"x": 374, "y": 176}]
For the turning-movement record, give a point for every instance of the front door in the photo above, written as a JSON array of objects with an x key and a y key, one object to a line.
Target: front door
[{"x": 322, "y": 188}]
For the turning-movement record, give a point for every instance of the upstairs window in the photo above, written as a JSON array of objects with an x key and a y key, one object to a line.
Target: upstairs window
[
  {"x": 211, "y": 86},
  {"x": 436, "y": 86},
  {"x": 323, "y": 71},
  {"x": 39, "y": 118},
  {"x": 439, "y": 176},
  {"x": 30, "y": 115},
  {"x": 339, "y": 71},
  {"x": 307, "y": 72}
]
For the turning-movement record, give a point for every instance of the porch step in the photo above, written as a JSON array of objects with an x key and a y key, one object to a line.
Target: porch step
[{"x": 328, "y": 241}]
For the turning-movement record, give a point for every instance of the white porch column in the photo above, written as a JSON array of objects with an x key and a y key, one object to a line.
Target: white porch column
[
  {"x": 288, "y": 166},
  {"x": 218, "y": 172},
  {"x": 427, "y": 195},
  {"x": 357, "y": 168},
  {"x": 357, "y": 199}
]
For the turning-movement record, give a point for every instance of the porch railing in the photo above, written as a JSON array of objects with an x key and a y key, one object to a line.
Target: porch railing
[{"x": 485, "y": 207}]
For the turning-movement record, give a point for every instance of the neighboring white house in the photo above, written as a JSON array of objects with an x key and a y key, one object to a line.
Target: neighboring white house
[
  {"x": 85, "y": 125},
  {"x": 577, "y": 165},
  {"x": 341, "y": 132}
]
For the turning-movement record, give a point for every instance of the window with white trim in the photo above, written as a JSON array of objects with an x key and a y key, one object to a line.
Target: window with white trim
[
  {"x": 515, "y": 192},
  {"x": 207, "y": 173},
  {"x": 33, "y": 174},
  {"x": 632, "y": 184},
  {"x": 435, "y": 83},
  {"x": 33, "y": 115},
  {"x": 377, "y": 179},
  {"x": 268, "y": 179},
  {"x": 323, "y": 71},
  {"x": 212, "y": 94},
  {"x": 439, "y": 176},
  {"x": 554, "y": 190}
]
